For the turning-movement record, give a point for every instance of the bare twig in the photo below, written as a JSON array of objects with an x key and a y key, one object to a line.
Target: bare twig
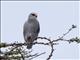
[
  {"x": 44, "y": 38},
  {"x": 50, "y": 52},
  {"x": 61, "y": 38},
  {"x": 36, "y": 55}
]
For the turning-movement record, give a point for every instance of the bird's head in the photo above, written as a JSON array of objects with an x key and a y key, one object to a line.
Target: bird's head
[{"x": 33, "y": 15}]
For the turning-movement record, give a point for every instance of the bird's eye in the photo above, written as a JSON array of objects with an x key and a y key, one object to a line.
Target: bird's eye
[{"x": 34, "y": 15}]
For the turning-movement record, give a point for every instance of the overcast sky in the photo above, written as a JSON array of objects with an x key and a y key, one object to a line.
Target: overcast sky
[{"x": 55, "y": 19}]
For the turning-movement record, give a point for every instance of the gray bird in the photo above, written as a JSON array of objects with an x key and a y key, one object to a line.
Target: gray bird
[{"x": 31, "y": 30}]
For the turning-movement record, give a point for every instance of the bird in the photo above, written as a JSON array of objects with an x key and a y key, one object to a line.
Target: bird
[{"x": 31, "y": 29}]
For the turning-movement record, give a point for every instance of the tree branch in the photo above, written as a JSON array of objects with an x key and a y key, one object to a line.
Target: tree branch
[{"x": 17, "y": 47}]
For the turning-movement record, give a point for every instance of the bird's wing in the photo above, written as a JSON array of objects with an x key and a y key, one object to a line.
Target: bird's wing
[
  {"x": 25, "y": 28},
  {"x": 38, "y": 28}
]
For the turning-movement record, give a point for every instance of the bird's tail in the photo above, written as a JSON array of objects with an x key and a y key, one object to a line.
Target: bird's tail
[
  {"x": 29, "y": 46},
  {"x": 29, "y": 39}
]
